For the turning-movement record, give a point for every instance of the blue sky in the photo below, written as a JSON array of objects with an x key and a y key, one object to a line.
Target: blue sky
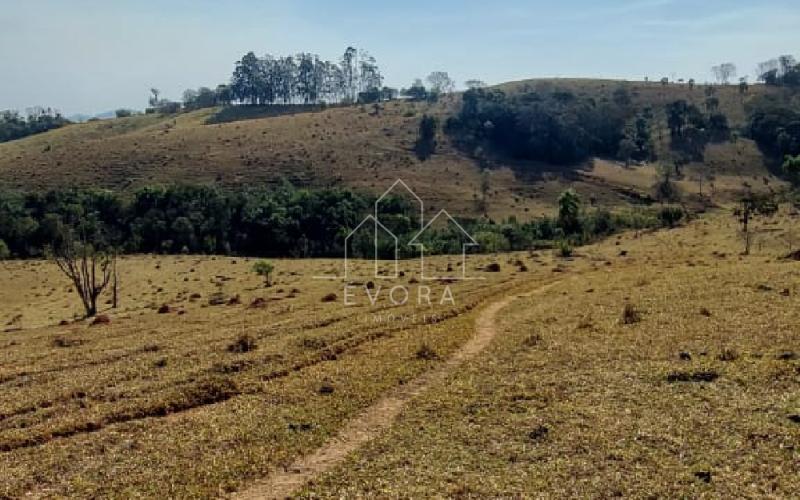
[{"x": 91, "y": 56}]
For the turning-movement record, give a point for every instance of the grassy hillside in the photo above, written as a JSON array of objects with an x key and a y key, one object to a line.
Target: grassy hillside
[{"x": 340, "y": 146}]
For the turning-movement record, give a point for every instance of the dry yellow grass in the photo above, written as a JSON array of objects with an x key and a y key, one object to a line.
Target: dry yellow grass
[
  {"x": 568, "y": 400},
  {"x": 162, "y": 405},
  {"x": 694, "y": 393}
]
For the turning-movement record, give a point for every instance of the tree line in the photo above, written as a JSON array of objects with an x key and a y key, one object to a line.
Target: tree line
[
  {"x": 780, "y": 71},
  {"x": 14, "y": 126},
  {"x": 305, "y": 78},
  {"x": 280, "y": 222}
]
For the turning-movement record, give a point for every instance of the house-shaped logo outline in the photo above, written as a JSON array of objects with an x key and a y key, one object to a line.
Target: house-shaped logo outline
[
  {"x": 421, "y": 246},
  {"x": 423, "y": 227},
  {"x": 375, "y": 259}
]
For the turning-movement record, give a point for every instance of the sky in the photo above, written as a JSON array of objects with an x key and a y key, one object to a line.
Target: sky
[{"x": 92, "y": 56}]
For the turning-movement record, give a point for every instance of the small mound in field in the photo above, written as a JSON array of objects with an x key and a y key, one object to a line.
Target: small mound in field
[
  {"x": 795, "y": 417},
  {"x": 331, "y": 297},
  {"x": 313, "y": 343},
  {"x": 164, "y": 309},
  {"x": 700, "y": 376},
  {"x": 494, "y": 267},
  {"x": 101, "y": 320},
  {"x": 532, "y": 340},
  {"x": 60, "y": 341},
  {"x": 229, "y": 368},
  {"x": 705, "y": 312},
  {"x": 427, "y": 353},
  {"x": 208, "y": 391},
  {"x": 258, "y": 303},
  {"x": 63, "y": 322},
  {"x": 728, "y": 354},
  {"x": 326, "y": 388},
  {"x": 235, "y": 300},
  {"x": 786, "y": 356},
  {"x": 245, "y": 343},
  {"x": 703, "y": 475},
  {"x": 539, "y": 433},
  {"x": 216, "y": 299},
  {"x": 413, "y": 281}
]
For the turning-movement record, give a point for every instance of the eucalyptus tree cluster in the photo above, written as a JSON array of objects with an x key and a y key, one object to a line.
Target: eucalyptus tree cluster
[{"x": 304, "y": 78}]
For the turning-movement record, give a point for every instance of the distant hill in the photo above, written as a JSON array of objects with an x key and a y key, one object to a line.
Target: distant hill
[
  {"x": 82, "y": 118},
  {"x": 354, "y": 147}
]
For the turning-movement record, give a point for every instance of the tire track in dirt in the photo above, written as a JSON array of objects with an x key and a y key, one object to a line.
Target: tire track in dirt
[{"x": 380, "y": 416}]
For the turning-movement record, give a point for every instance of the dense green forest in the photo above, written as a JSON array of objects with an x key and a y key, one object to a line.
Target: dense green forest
[{"x": 281, "y": 222}]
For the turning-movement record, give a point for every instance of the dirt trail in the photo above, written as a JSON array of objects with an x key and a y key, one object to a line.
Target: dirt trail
[{"x": 378, "y": 417}]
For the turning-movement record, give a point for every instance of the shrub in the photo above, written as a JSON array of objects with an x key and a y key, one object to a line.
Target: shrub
[
  {"x": 667, "y": 191},
  {"x": 123, "y": 113},
  {"x": 264, "y": 268},
  {"x": 791, "y": 166},
  {"x": 670, "y": 216},
  {"x": 4, "y": 251},
  {"x": 564, "y": 248}
]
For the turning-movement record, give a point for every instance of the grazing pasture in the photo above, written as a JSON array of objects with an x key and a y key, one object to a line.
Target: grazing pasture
[{"x": 666, "y": 357}]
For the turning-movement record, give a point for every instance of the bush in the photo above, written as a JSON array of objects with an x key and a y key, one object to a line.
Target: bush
[
  {"x": 123, "y": 113},
  {"x": 4, "y": 251},
  {"x": 670, "y": 216},
  {"x": 264, "y": 268},
  {"x": 492, "y": 242},
  {"x": 791, "y": 167},
  {"x": 564, "y": 248},
  {"x": 667, "y": 191}
]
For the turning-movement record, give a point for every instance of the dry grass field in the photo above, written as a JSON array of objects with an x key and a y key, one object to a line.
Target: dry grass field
[
  {"x": 671, "y": 372},
  {"x": 197, "y": 399},
  {"x": 662, "y": 363}
]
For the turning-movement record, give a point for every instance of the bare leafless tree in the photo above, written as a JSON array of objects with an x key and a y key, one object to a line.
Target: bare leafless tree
[{"x": 89, "y": 268}]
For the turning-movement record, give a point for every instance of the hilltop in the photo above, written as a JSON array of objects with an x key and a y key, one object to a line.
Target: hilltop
[{"x": 357, "y": 147}]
